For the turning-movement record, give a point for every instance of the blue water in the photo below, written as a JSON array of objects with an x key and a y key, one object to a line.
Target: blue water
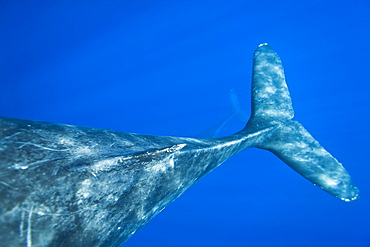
[{"x": 167, "y": 68}]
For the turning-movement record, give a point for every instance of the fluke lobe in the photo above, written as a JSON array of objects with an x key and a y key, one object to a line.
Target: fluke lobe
[{"x": 63, "y": 185}]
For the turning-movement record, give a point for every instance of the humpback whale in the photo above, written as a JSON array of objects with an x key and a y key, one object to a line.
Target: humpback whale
[{"x": 64, "y": 185}]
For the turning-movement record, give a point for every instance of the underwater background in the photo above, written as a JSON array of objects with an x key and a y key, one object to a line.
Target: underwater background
[{"x": 169, "y": 68}]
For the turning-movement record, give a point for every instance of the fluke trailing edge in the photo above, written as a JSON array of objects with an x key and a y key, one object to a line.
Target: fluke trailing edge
[{"x": 63, "y": 185}]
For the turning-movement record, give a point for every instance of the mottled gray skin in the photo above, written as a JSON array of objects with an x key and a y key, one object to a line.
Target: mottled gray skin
[
  {"x": 63, "y": 185},
  {"x": 74, "y": 186}
]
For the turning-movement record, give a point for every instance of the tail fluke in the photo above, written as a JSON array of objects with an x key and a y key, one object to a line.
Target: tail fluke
[{"x": 290, "y": 141}]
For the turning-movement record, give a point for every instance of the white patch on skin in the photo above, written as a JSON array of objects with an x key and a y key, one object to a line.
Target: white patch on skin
[
  {"x": 21, "y": 166},
  {"x": 107, "y": 164},
  {"x": 172, "y": 164},
  {"x": 177, "y": 147},
  {"x": 270, "y": 90},
  {"x": 84, "y": 190},
  {"x": 66, "y": 141},
  {"x": 83, "y": 151},
  {"x": 161, "y": 166},
  {"x": 29, "y": 230},
  {"x": 74, "y": 148},
  {"x": 168, "y": 162},
  {"x": 21, "y": 225},
  {"x": 329, "y": 181}
]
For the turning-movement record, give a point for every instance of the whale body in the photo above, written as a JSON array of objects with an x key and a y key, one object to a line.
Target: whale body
[{"x": 63, "y": 185}]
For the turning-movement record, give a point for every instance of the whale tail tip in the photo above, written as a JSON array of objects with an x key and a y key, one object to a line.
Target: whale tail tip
[{"x": 290, "y": 141}]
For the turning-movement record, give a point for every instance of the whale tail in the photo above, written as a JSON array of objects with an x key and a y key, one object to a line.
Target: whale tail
[{"x": 290, "y": 141}]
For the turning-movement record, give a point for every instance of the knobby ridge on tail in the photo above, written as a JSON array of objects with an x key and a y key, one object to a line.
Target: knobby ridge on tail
[{"x": 290, "y": 141}]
